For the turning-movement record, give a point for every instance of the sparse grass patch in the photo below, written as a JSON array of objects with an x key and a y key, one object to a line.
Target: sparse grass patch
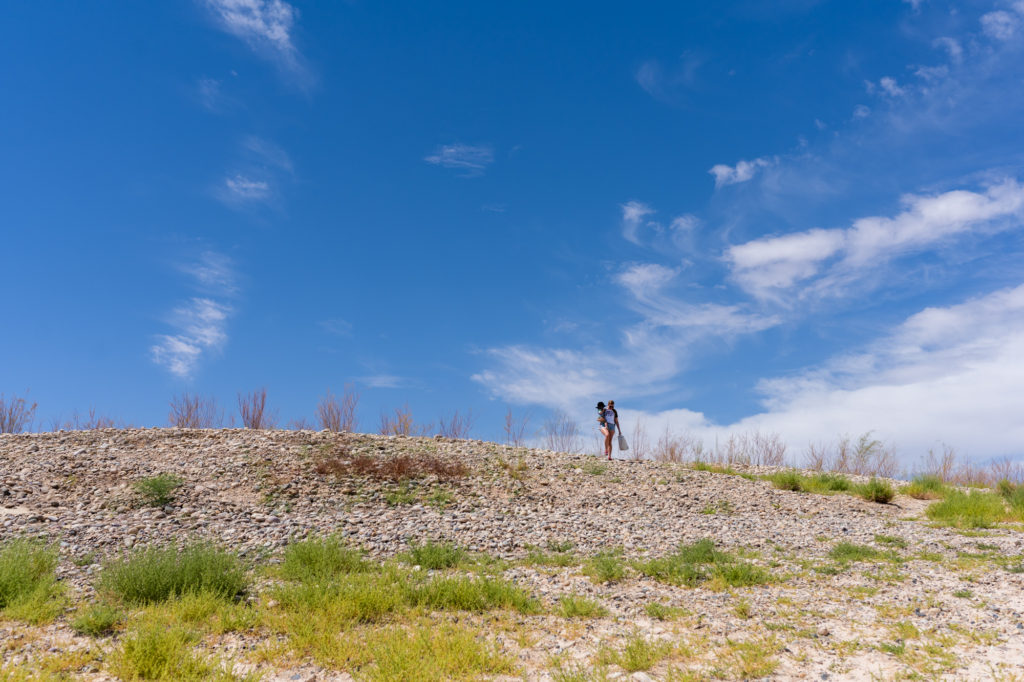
[
  {"x": 716, "y": 469},
  {"x": 699, "y": 563},
  {"x": 97, "y": 619},
  {"x": 605, "y": 567},
  {"x": 926, "y": 487},
  {"x": 321, "y": 559},
  {"x": 660, "y": 611},
  {"x": 891, "y": 540},
  {"x": 470, "y": 594},
  {"x": 577, "y": 606},
  {"x": 746, "y": 660},
  {"x": 154, "y": 652},
  {"x": 440, "y": 498},
  {"x": 821, "y": 483},
  {"x": 975, "y": 509},
  {"x": 537, "y": 557},
  {"x": 402, "y": 495},
  {"x": 786, "y": 480},
  {"x": 641, "y": 653},
  {"x": 845, "y": 552},
  {"x": 594, "y": 468},
  {"x": 29, "y": 589},
  {"x": 425, "y": 654},
  {"x": 963, "y": 594},
  {"x": 156, "y": 491},
  {"x": 155, "y": 573},
  {"x": 435, "y": 555},
  {"x": 405, "y": 467}
]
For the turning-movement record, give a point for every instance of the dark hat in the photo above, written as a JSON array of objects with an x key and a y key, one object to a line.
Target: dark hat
[{"x": 600, "y": 405}]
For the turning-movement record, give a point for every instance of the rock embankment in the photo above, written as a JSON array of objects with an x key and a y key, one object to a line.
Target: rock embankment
[{"x": 255, "y": 491}]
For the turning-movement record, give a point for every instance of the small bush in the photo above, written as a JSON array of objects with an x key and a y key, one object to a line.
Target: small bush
[
  {"x": 830, "y": 483},
  {"x": 16, "y": 414},
  {"x": 338, "y": 415},
  {"x": 469, "y": 594},
  {"x": 194, "y": 412},
  {"x": 575, "y": 606},
  {"x": 538, "y": 557},
  {"x": 252, "y": 408},
  {"x": 156, "y": 491},
  {"x": 435, "y": 555},
  {"x": 876, "y": 490},
  {"x": 891, "y": 540},
  {"x": 660, "y": 611},
  {"x": 641, "y": 653},
  {"x": 29, "y": 589},
  {"x": 787, "y": 480},
  {"x": 154, "y": 574},
  {"x": 926, "y": 487},
  {"x": 402, "y": 495},
  {"x": 320, "y": 559},
  {"x": 976, "y": 509},
  {"x": 405, "y": 467},
  {"x": 97, "y": 619},
  {"x": 605, "y": 567}
]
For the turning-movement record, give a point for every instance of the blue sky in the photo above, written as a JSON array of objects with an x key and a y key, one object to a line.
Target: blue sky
[{"x": 797, "y": 217}]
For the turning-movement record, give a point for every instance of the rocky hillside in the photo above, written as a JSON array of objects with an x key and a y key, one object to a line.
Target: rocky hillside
[{"x": 908, "y": 599}]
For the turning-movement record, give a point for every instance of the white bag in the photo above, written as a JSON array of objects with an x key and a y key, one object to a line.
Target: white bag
[{"x": 623, "y": 445}]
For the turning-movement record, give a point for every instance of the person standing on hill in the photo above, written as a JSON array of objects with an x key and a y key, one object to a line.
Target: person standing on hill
[{"x": 608, "y": 419}]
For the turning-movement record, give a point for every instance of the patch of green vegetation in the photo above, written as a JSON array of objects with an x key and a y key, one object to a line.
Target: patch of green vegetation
[
  {"x": 821, "y": 483},
  {"x": 425, "y": 654},
  {"x": 875, "y": 490},
  {"x": 594, "y": 468},
  {"x": 698, "y": 563},
  {"x": 660, "y": 611},
  {"x": 891, "y": 540},
  {"x": 156, "y": 491},
  {"x": 926, "y": 487},
  {"x": 641, "y": 653},
  {"x": 440, "y": 498},
  {"x": 155, "y": 652},
  {"x": 157, "y": 573},
  {"x": 605, "y": 567},
  {"x": 719, "y": 507},
  {"x": 717, "y": 469},
  {"x": 97, "y": 619},
  {"x": 847, "y": 551},
  {"x": 975, "y": 509},
  {"x": 577, "y": 606},
  {"x": 316, "y": 559},
  {"x": 29, "y": 590},
  {"x": 963, "y": 594},
  {"x": 402, "y": 495},
  {"x": 536, "y": 556},
  {"x": 434, "y": 556},
  {"x": 746, "y": 660}
]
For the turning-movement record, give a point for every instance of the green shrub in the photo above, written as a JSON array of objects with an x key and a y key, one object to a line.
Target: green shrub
[
  {"x": 29, "y": 589},
  {"x": 537, "y": 557},
  {"x": 321, "y": 559},
  {"x": 876, "y": 490},
  {"x": 153, "y": 574},
  {"x": 1014, "y": 496},
  {"x": 97, "y": 619},
  {"x": 891, "y": 540},
  {"x": 975, "y": 509},
  {"x": 926, "y": 487},
  {"x": 787, "y": 480},
  {"x": 156, "y": 491},
  {"x": 605, "y": 567},
  {"x": 641, "y": 653},
  {"x": 741, "y": 574},
  {"x": 661, "y": 611},
  {"x": 434, "y": 556},
  {"x": 576, "y": 606},
  {"x": 356, "y": 598},
  {"x": 830, "y": 483}
]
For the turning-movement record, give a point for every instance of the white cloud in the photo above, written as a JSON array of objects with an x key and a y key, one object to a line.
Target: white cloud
[
  {"x": 861, "y": 111},
  {"x": 741, "y": 172},
  {"x": 473, "y": 159},
  {"x": 240, "y": 188},
  {"x": 383, "y": 381},
  {"x": 669, "y": 85},
  {"x": 765, "y": 267},
  {"x": 266, "y": 25},
  {"x": 200, "y": 324},
  {"x": 1000, "y": 25},
  {"x": 267, "y": 153},
  {"x": 951, "y": 375},
  {"x": 952, "y": 48},
  {"x": 891, "y": 87},
  {"x": 633, "y": 214}
]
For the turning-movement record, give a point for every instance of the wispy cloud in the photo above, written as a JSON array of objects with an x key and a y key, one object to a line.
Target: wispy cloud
[
  {"x": 336, "y": 326},
  {"x": 770, "y": 266},
  {"x": 741, "y": 172},
  {"x": 633, "y": 214},
  {"x": 383, "y": 381},
  {"x": 1000, "y": 25},
  {"x": 239, "y": 189},
  {"x": 473, "y": 160},
  {"x": 669, "y": 84},
  {"x": 262, "y": 168},
  {"x": 200, "y": 323},
  {"x": 267, "y": 26},
  {"x": 640, "y": 229}
]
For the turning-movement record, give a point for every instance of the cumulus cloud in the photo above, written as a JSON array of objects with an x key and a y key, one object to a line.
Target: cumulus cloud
[
  {"x": 199, "y": 324},
  {"x": 767, "y": 266},
  {"x": 890, "y": 87},
  {"x": 741, "y": 172},
  {"x": 472, "y": 159}
]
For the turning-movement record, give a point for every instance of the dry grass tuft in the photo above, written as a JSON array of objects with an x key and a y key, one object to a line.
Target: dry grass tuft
[{"x": 16, "y": 414}]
